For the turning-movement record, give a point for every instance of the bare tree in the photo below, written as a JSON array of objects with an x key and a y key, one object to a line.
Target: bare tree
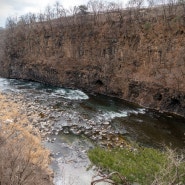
[
  {"x": 172, "y": 8},
  {"x": 153, "y": 10},
  {"x": 49, "y": 12},
  {"x": 57, "y": 7},
  {"x": 41, "y": 17},
  {"x": 11, "y": 23},
  {"x": 82, "y": 13},
  {"x": 182, "y": 5},
  {"x": 96, "y": 7},
  {"x": 111, "y": 11},
  {"x": 136, "y": 6},
  {"x": 73, "y": 12},
  {"x": 10, "y": 35},
  {"x": 64, "y": 16},
  {"x": 151, "y": 3}
]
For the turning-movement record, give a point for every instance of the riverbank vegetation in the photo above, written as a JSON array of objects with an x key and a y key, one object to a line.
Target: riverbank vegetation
[
  {"x": 23, "y": 160},
  {"x": 141, "y": 165}
]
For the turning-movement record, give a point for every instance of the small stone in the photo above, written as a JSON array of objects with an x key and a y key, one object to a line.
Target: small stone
[
  {"x": 106, "y": 123},
  {"x": 8, "y": 121},
  {"x": 57, "y": 153},
  {"x": 66, "y": 131},
  {"x": 94, "y": 138}
]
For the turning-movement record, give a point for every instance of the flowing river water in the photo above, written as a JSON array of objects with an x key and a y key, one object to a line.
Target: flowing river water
[{"x": 73, "y": 122}]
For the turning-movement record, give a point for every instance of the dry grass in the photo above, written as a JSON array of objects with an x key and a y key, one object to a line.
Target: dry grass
[
  {"x": 173, "y": 172},
  {"x": 23, "y": 160}
]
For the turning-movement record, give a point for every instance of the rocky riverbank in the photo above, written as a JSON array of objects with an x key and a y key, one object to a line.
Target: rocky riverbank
[
  {"x": 50, "y": 121},
  {"x": 54, "y": 125}
]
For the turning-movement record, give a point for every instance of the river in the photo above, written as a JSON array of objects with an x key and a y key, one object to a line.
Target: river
[{"x": 80, "y": 120}]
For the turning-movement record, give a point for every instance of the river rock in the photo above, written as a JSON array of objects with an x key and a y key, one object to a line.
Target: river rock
[{"x": 106, "y": 123}]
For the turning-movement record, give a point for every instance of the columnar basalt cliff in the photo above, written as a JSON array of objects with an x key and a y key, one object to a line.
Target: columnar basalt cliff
[{"x": 135, "y": 55}]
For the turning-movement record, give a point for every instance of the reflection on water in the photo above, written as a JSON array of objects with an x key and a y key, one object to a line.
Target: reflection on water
[{"x": 138, "y": 124}]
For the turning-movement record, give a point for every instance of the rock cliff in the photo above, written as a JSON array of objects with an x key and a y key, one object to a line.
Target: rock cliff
[{"x": 141, "y": 60}]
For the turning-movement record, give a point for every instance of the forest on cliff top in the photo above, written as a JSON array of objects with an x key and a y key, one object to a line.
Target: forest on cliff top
[{"x": 99, "y": 11}]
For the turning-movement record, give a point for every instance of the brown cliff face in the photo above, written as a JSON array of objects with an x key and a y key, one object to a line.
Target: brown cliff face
[{"x": 142, "y": 61}]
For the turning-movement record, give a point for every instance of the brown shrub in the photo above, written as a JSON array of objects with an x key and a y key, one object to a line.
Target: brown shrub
[{"x": 23, "y": 160}]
